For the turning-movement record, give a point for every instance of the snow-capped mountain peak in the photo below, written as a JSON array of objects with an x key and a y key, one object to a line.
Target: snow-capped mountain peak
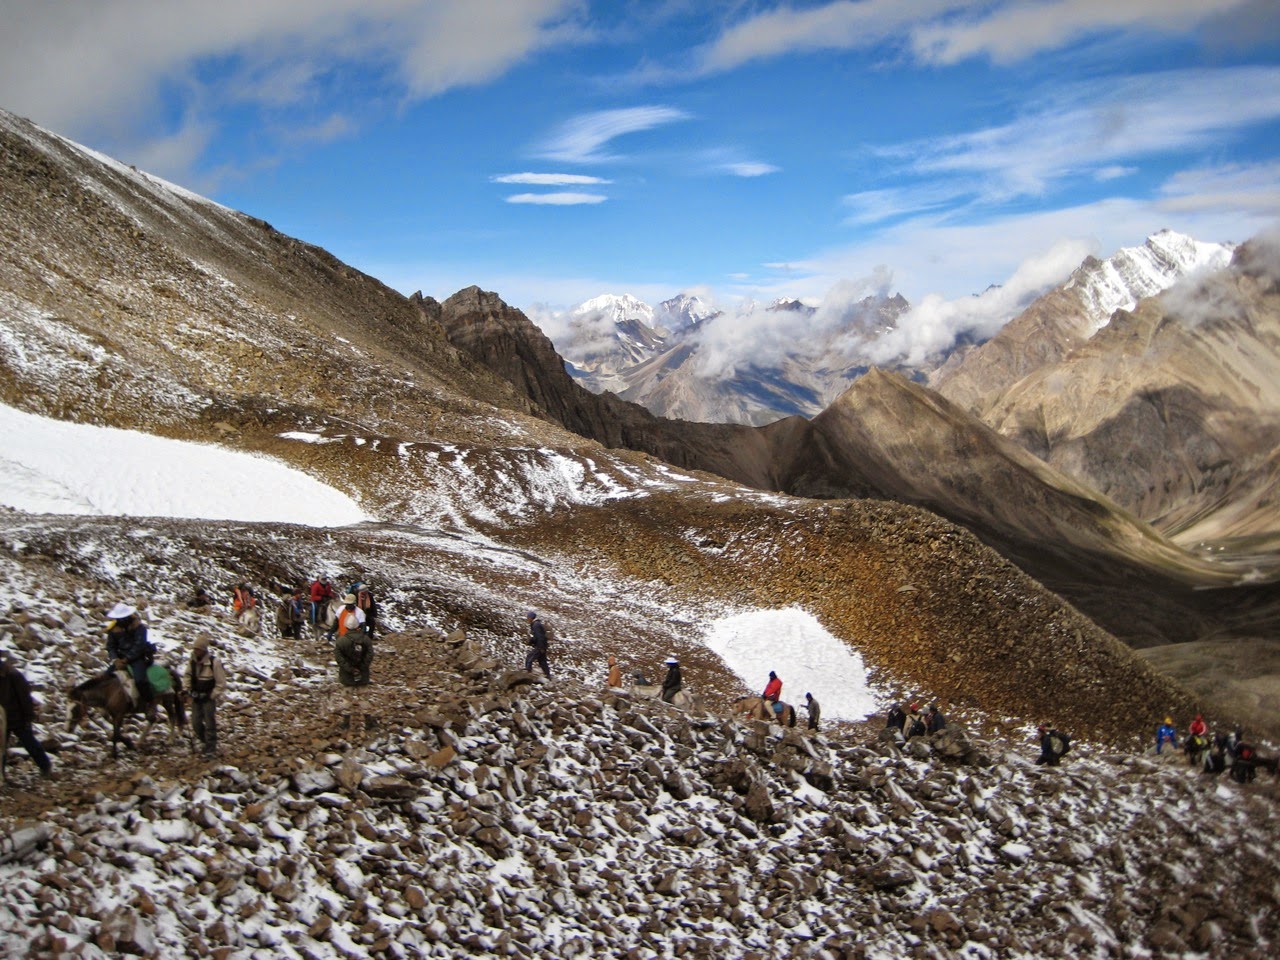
[{"x": 1120, "y": 281}]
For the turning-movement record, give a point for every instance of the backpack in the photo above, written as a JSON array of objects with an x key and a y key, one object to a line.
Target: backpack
[
  {"x": 1059, "y": 743},
  {"x": 917, "y": 729}
]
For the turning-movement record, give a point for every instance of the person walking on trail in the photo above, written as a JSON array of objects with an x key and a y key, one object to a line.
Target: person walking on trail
[
  {"x": 772, "y": 694},
  {"x": 353, "y": 652},
  {"x": 368, "y": 606},
  {"x": 672, "y": 682},
  {"x": 321, "y": 593},
  {"x": 615, "y": 673},
  {"x": 1053, "y": 745},
  {"x": 914, "y": 725},
  {"x": 350, "y": 618},
  {"x": 1166, "y": 733},
  {"x": 20, "y": 708},
  {"x": 207, "y": 682},
  {"x": 815, "y": 711},
  {"x": 896, "y": 718},
  {"x": 291, "y": 616},
  {"x": 537, "y": 641},
  {"x": 127, "y": 644},
  {"x": 242, "y": 599}
]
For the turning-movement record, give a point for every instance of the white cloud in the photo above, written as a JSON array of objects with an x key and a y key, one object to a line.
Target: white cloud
[
  {"x": 1009, "y": 32},
  {"x": 550, "y": 179},
  {"x": 560, "y": 199},
  {"x": 84, "y": 67},
  {"x": 580, "y": 139},
  {"x": 948, "y": 31},
  {"x": 750, "y": 168},
  {"x": 1249, "y": 189},
  {"x": 1089, "y": 128}
]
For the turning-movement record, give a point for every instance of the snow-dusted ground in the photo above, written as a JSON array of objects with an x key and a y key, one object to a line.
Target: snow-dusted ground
[{"x": 52, "y": 466}]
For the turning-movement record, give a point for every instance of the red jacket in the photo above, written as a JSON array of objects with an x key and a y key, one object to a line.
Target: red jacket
[
  {"x": 319, "y": 592},
  {"x": 773, "y": 690},
  {"x": 1197, "y": 728}
]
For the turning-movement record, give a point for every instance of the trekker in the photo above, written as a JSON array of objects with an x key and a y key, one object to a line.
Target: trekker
[
  {"x": 815, "y": 711},
  {"x": 1198, "y": 728},
  {"x": 200, "y": 600},
  {"x": 896, "y": 718},
  {"x": 1219, "y": 754},
  {"x": 20, "y": 708},
  {"x": 350, "y": 618},
  {"x": 291, "y": 616},
  {"x": 368, "y": 606},
  {"x": 914, "y": 726},
  {"x": 207, "y": 682},
  {"x": 321, "y": 593},
  {"x": 1053, "y": 745},
  {"x": 615, "y": 673},
  {"x": 672, "y": 683},
  {"x": 934, "y": 720},
  {"x": 127, "y": 643},
  {"x": 537, "y": 641},
  {"x": 772, "y": 694},
  {"x": 354, "y": 653},
  {"x": 1166, "y": 733},
  {"x": 242, "y": 599}
]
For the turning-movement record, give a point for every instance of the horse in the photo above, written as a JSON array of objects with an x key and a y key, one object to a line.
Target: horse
[
  {"x": 250, "y": 618},
  {"x": 757, "y": 708},
  {"x": 653, "y": 691},
  {"x": 1196, "y": 746},
  {"x": 327, "y": 619},
  {"x": 107, "y": 692}
]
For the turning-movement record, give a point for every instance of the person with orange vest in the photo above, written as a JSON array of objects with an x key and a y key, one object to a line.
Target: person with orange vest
[{"x": 242, "y": 598}]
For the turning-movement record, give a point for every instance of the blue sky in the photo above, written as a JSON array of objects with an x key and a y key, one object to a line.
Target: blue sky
[{"x": 553, "y": 150}]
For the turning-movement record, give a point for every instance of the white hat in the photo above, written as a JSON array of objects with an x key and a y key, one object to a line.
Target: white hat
[
  {"x": 671, "y": 659},
  {"x": 121, "y": 611},
  {"x": 349, "y": 598}
]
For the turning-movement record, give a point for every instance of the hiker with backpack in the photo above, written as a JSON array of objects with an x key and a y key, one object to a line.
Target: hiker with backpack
[
  {"x": 291, "y": 615},
  {"x": 366, "y": 605},
  {"x": 1166, "y": 733},
  {"x": 128, "y": 647},
  {"x": 934, "y": 720},
  {"x": 353, "y": 651},
  {"x": 207, "y": 681},
  {"x": 538, "y": 643},
  {"x": 1053, "y": 745}
]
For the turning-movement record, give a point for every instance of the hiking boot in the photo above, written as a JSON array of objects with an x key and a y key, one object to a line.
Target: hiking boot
[{"x": 47, "y": 773}]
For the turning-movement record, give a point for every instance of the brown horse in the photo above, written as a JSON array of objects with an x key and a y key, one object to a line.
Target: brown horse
[
  {"x": 757, "y": 708},
  {"x": 106, "y": 692}
]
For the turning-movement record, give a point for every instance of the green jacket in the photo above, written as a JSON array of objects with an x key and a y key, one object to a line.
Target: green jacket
[{"x": 354, "y": 652}]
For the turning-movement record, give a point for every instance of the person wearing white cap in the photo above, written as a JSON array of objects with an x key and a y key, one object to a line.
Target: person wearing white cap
[
  {"x": 127, "y": 643},
  {"x": 673, "y": 681}
]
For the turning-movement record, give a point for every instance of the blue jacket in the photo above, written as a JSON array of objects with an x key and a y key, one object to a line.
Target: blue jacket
[
  {"x": 1166, "y": 734},
  {"x": 128, "y": 642}
]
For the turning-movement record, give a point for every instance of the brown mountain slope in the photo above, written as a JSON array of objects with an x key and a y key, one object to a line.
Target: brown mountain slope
[{"x": 1171, "y": 407}]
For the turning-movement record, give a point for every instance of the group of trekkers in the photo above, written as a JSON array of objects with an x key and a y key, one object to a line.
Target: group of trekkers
[
  {"x": 1214, "y": 754},
  {"x": 304, "y": 605}
]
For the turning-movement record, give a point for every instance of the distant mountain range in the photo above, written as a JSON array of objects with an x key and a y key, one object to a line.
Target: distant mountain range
[{"x": 669, "y": 359}]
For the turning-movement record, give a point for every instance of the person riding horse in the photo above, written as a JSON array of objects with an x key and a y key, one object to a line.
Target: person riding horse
[
  {"x": 127, "y": 642},
  {"x": 773, "y": 692}
]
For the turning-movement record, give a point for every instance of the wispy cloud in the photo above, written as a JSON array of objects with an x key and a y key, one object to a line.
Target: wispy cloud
[
  {"x": 750, "y": 168},
  {"x": 1092, "y": 129},
  {"x": 1250, "y": 189},
  {"x": 1007, "y": 32},
  {"x": 580, "y": 139},
  {"x": 948, "y": 31},
  {"x": 559, "y": 199},
  {"x": 550, "y": 179}
]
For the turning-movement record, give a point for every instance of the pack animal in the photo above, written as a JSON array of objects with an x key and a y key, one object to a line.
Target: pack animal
[
  {"x": 756, "y": 708},
  {"x": 327, "y": 620},
  {"x": 108, "y": 694},
  {"x": 250, "y": 619},
  {"x": 653, "y": 691}
]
